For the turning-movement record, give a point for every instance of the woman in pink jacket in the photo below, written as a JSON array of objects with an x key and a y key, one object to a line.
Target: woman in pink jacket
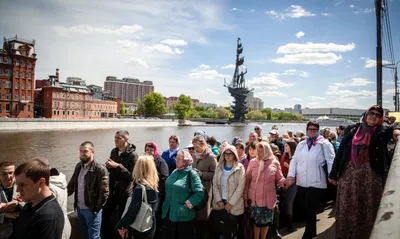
[{"x": 262, "y": 174}]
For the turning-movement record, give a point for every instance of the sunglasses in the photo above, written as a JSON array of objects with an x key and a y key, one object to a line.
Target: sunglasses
[
  {"x": 377, "y": 115},
  {"x": 191, "y": 148},
  {"x": 228, "y": 153},
  {"x": 256, "y": 128},
  {"x": 312, "y": 129}
]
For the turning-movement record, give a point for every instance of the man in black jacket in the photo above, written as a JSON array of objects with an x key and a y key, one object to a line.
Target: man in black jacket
[
  {"x": 42, "y": 216},
  {"x": 120, "y": 166},
  {"x": 90, "y": 185}
]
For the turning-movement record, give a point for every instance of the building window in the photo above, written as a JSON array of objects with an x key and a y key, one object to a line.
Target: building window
[
  {"x": 63, "y": 112},
  {"x": 23, "y": 85},
  {"x": 29, "y": 85},
  {"x": 30, "y": 64},
  {"x": 1, "y": 106},
  {"x": 8, "y": 60},
  {"x": 8, "y": 96},
  {"x": 17, "y": 85},
  {"x": 23, "y": 63},
  {"x": 29, "y": 97},
  {"x": 8, "y": 72},
  {"x": 17, "y": 74},
  {"x": 23, "y": 75},
  {"x": 68, "y": 112},
  {"x": 54, "y": 112},
  {"x": 16, "y": 108},
  {"x": 58, "y": 112},
  {"x": 17, "y": 62},
  {"x": 29, "y": 108},
  {"x": 73, "y": 112},
  {"x": 7, "y": 107},
  {"x": 16, "y": 97},
  {"x": 23, "y": 97},
  {"x": 29, "y": 75},
  {"x": 1, "y": 85}
]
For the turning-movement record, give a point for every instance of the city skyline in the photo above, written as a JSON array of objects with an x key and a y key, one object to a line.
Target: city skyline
[{"x": 315, "y": 53}]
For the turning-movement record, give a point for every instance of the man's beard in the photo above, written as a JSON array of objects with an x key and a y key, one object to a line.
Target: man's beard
[{"x": 85, "y": 159}]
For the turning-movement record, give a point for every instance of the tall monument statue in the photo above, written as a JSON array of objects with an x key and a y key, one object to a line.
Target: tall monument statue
[{"x": 237, "y": 87}]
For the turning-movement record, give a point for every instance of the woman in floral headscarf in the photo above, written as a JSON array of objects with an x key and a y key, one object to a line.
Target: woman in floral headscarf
[
  {"x": 360, "y": 170},
  {"x": 180, "y": 198}
]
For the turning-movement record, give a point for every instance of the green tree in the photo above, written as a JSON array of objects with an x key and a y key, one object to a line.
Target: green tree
[
  {"x": 140, "y": 108},
  {"x": 199, "y": 108},
  {"x": 195, "y": 114},
  {"x": 223, "y": 113},
  {"x": 256, "y": 115},
  {"x": 153, "y": 104},
  {"x": 131, "y": 112},
  {"x": 184, "y": 108},
  {"x": 268, "y": 112},
  {"x": 122, "y": 107}
]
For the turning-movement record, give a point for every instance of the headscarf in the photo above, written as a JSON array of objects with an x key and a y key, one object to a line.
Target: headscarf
[
  {"x": 268, "y": 155},
  {"x": 202, "y": 133},
  {"x": 362, "y": 137},
  {"x": 187, "y": 160},
  {"x": 154, "y": 146},
  {"x": 312, "y": 141}
]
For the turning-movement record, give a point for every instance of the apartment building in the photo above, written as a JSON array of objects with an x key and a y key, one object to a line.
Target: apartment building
[{"x": 128, "y": 90}]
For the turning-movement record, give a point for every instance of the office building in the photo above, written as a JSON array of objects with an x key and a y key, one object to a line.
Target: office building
[{"x": 128, "y": 90}]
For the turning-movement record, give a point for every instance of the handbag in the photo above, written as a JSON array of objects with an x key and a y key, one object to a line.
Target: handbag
[
  {"x": 224, "y": 223},
  {"x": 144, "y": 218}
]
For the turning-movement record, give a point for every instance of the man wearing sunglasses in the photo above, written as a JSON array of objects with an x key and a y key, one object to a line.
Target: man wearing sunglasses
[{"x": 258, "y": 130}]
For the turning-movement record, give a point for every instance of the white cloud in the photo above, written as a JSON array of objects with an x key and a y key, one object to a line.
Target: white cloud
[
  {"x": 211, "y": 91},
  {"x": 352, "y": 94},
  {"x": 252, "y": 10},
  {"x": 127, "y": 44},
  {"x": 163, "y": 49},
  {"x": 88, "y": 29},
  {"x": 230, "y": 66},
  {"x": 349, "y": 61},
  {"x": 236, "y": 9},
  {"x": 352, "y": 6},
  {"x": 359, "y": 82},
  {"x": 294, "y": 72},
  {"x": 268, "y": 81},
  {"x": 338, "y": 2},
  {"x": 315, "y": 47},
  {"x": 297, "y": 99},
  {"x": 137, "y": 61},
  {"x": 353, "y": 82},
  {"x": 364, "y": 10},
  {"x": 300, "y": 34},
  {"x": 369, "y": 63},
  {"x": 326, "y": 14},
  {"x": 309, "y": 59},
  {"x": 388, "y": 92},
  {"x": 294, "y": 11},
  {"x": 269, "y": 94},
  {"x": 206, "y": 75},
  {"x": 174, "y": 42},
  {"x": 203, "y": 66},
  {"x": 317, "y": 98}
]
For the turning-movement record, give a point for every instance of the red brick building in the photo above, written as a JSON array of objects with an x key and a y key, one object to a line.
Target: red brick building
[
  {"x": 17, "y": 74},
  {"x": 55, "y": 99}
]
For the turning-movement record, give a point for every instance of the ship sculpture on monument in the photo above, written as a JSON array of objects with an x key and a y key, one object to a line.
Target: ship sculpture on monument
[{"x": 237, "y": 88}]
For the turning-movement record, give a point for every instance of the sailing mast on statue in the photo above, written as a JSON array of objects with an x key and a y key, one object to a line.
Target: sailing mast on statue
[{"x": 237, "y": 88}]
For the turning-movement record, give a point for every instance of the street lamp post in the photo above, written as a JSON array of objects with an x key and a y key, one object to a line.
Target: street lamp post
[{"x": 396, "y": 93}]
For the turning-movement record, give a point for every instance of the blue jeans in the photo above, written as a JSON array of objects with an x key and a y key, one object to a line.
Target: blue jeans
[{"x": 89, "y": 223}]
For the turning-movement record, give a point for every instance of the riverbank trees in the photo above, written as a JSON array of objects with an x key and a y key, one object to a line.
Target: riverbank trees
[
  {"x": 267, "y": 114},
  {"x": 152, "y": 105}
]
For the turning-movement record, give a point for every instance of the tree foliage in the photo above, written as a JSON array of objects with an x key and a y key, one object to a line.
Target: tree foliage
[
  {"x": 184, "y": 108},
  {"x": 122, "y": 107},
  {"x": 267, "y": 114},
  {"x": 153, "y": 104}
]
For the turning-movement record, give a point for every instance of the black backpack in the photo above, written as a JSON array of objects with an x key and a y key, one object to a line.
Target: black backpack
[{"x": 204, "y": 201}]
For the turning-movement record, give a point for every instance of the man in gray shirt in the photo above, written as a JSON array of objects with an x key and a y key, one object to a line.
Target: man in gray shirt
[{"x": 90, "y": 185}]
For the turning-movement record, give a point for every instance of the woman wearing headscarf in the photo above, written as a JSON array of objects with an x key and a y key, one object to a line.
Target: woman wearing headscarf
[
  {"x": 288, "y": 195},
  {"x": 169, "y": 155},
  {"x": 308, "y": 167},
  {"x": 151, "y": 148},
  {"x": 204, "y": 163},
  {"x": 228, "y": 186},
  {"x": 180, "y": 198},
  {"x": 253, "y": 137},
  {"x": 360, "y": 170},
  {"x": 262, "y": 175}
]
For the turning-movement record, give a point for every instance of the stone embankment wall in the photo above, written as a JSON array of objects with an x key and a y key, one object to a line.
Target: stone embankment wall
[{"x": 67, "y": 124}]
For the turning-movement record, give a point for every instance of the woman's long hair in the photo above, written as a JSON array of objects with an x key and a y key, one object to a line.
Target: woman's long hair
[{"x": 145, "y": 172}]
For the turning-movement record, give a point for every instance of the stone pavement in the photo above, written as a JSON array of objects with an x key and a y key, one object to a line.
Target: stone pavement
[{"x": 325, "y": 227}]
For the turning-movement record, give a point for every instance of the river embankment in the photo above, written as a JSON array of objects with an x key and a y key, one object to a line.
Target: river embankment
[{"x": 13, "y": 124}]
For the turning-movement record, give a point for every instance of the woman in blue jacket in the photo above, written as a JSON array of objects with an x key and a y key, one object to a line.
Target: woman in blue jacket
[
  {"x": 145, "y": 173},
  {"x": 169, "y": 155}
]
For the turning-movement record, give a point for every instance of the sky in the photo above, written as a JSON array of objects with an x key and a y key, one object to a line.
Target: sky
[{"x": 317, "y": 53}]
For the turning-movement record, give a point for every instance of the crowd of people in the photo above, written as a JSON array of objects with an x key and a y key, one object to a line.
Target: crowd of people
[{"x": 208, "y": 189}]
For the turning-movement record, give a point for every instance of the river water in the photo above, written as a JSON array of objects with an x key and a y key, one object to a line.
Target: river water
[{"x": 61, "y": 148}]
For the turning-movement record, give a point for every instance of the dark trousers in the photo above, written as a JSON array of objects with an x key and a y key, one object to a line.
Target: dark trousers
[
  {"x": 312, "y": 198},
  {"x": 202, "y": 229},
  {"x": 177, "y": 230},
  {"x": 108, "y": 230}
]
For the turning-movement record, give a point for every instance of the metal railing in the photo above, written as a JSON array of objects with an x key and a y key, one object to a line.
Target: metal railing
[{"x": 388, "y": 217}]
